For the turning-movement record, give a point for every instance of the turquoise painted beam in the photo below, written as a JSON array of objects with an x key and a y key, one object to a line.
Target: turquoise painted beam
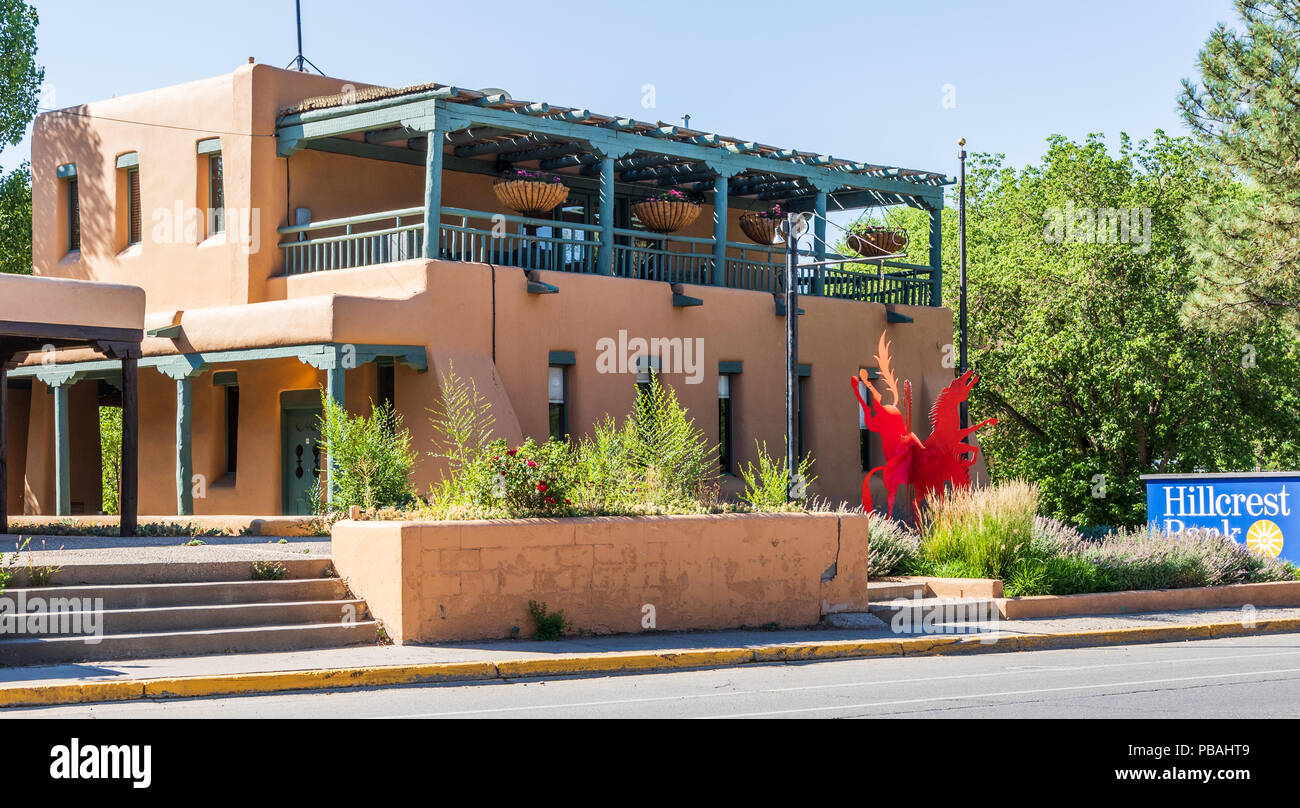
[
  {"x": 176, "y": 366},
  {"x": 543, "y": 153},
  {"x": 184, "y": 446},
  {"x": 619, "y": 140},
  {"x": 819, "y": 241},
  {"x": 605, "y": 252},
  {"x": 936, "y": 258},
  {"x": 720, "y": 230},
  {"x": 62, "y": 453},
  {"x": 355, "y": 148},
  {"x": 500, "y": 146},
  {"x": 433, "y": 193}
]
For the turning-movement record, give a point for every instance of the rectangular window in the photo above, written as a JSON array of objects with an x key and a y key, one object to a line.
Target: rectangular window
[
  {"x": 803, "y": 388},
  {"x": 647, "y": 367},
  {"x": 216, "y": 196},
  {"x": 133, "y": 225},
  {"x": 556, "y": 390},
  {"x": 724, "y": 423},
  {"x": 74, "y": 216},
  {"x": 232, "y": 428},
  {"x": 386, "y": 385}
]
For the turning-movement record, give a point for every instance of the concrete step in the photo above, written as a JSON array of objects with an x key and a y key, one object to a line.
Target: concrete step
[
  {"x": 50, "y": 650},
  {"x": 146, "y": 596},
  {"x": 939, "y": 610},
  {"x": 888, "y": 590},
  {"x": 178, "y": 618},
  {"x": 160, "y": 572}
]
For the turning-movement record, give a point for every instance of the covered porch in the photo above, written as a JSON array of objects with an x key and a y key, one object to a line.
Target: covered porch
[
  {"x": 238, "y": 403},
  {"x": 42, "y": 318},
  {"x": 609, "y": 164}
]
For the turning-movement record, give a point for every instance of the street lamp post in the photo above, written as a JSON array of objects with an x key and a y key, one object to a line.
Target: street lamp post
[
  {"x": 961, "y": 306},
  {"x": 791, "y": 227}
]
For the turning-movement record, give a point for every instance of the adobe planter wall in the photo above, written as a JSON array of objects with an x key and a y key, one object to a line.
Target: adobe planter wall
[
  {"x": 443, "y": 581},
  {"x": 1278, "y": 593}
]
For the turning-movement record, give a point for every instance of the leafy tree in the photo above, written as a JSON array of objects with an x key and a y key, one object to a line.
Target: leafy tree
[
  {"x": 1244, "y": 112},
  {"x": 1075, "y": 328},
  {"x": 16, "y": 221},
  {"x": 20, "y": 77},
  {"x": 110, "y": 465},
  {"x": 20, "y": 82}
]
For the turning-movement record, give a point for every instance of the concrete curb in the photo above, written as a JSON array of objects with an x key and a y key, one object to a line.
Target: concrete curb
[{"x": 618, "y": 662}]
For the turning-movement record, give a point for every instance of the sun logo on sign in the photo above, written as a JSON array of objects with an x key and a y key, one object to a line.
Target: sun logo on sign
[{"x": 1264, "y": 537}]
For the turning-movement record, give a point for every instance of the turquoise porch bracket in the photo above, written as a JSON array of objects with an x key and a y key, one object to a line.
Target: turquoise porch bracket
[
  {"x": 183, "y": 369},
  {"x": 62, "y": 454}
]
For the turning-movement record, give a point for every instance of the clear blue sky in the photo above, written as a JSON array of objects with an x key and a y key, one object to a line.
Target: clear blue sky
[{"x": 852, "y": 78}]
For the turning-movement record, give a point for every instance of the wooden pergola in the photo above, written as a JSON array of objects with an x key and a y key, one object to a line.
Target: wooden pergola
[{"x": 117, "y": 314}]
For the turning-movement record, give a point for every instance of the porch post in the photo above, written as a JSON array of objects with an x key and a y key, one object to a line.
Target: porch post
[
  {"x": 433, "y": 191},
  {"x": 62, "y": 454},
  {"x": 936, "y": 257},
  {"x": 184, "y": 447},
  {"x": 336, "y": 388},
  {"x": 819, "y": 241},
  {"x": 605, "y": 252},
  {"x": 129, "y": 484},
  {"x": 720, "y": 184},
  {"x": 4, "y": 447}
]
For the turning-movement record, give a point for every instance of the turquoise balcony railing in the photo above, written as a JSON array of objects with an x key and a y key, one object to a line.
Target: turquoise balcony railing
[{"x": 529, "y": 243}]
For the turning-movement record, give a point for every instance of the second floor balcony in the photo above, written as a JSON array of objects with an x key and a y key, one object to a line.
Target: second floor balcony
[{"x": 608, "y": 165}]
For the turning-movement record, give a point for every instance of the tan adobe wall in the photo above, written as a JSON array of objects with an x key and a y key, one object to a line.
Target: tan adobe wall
[{"x": 446, "y": 581}]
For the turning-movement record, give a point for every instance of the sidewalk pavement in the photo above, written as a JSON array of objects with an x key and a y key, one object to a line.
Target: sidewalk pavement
[
  {"x": 372, "y": 666},
  {"x": 74, "y": 550}
]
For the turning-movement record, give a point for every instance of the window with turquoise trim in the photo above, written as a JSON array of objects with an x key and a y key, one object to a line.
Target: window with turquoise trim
[
  {"x": 134, "y": 227},
  {"x": 74, "y": 215},
  {"x": 556, "y": 393},
  {"x": 724, "y": 424},
  {"x": 216, "y": 196}
]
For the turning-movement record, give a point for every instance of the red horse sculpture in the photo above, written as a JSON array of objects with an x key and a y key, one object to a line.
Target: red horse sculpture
[{"x": 927, "y": 465}]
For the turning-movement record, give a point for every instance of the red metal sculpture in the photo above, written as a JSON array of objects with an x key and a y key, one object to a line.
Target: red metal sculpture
[{"x": 925, "y": 465}]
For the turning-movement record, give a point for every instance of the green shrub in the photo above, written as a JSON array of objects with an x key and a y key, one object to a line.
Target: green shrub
[
  {"x": 891, "y": 547},
  {"x": 983, "y": 530},
  {"x": 671, "y": 459},
  {"x": 605, "y": 477},
  {"x": 547, "y": 625},
  {"x": 370, "y": 456},
  {"x": 268, "y": 571},
  {"x": 528, "y": 480},
  {"x": 767, "y": 485},
  {"x": 462, "y": 421}
]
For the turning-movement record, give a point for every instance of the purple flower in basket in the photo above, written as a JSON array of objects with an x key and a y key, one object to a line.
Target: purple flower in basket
[
  {"x": 671, "y": 196},
  {"x": 774, "y": 212},
  {"x": 525, "y": 174}
]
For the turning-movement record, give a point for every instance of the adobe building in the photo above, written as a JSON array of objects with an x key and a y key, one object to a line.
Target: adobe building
[{"x": 279, "y": 224}]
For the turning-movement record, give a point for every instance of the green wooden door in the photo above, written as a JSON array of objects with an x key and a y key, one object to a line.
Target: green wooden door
[{"x": 301, "y": 456}]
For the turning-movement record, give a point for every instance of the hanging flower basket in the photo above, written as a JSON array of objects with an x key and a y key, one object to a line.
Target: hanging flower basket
[
  {"x": 667, "y": 212},
  {"x": 530, "y": 193},
  {"x": 873, "y": 242},
  {"x": 764, "y": 227}
]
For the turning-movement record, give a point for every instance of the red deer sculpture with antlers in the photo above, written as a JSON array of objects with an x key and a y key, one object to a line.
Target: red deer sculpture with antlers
[{"x": 927, "y": 465}]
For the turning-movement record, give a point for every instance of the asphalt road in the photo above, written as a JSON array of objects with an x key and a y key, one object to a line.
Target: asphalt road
[{"x": 1240, "y": 677}]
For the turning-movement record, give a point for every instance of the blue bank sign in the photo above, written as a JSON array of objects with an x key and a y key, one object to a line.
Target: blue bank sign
[{"x": 1259, "y": 509}]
